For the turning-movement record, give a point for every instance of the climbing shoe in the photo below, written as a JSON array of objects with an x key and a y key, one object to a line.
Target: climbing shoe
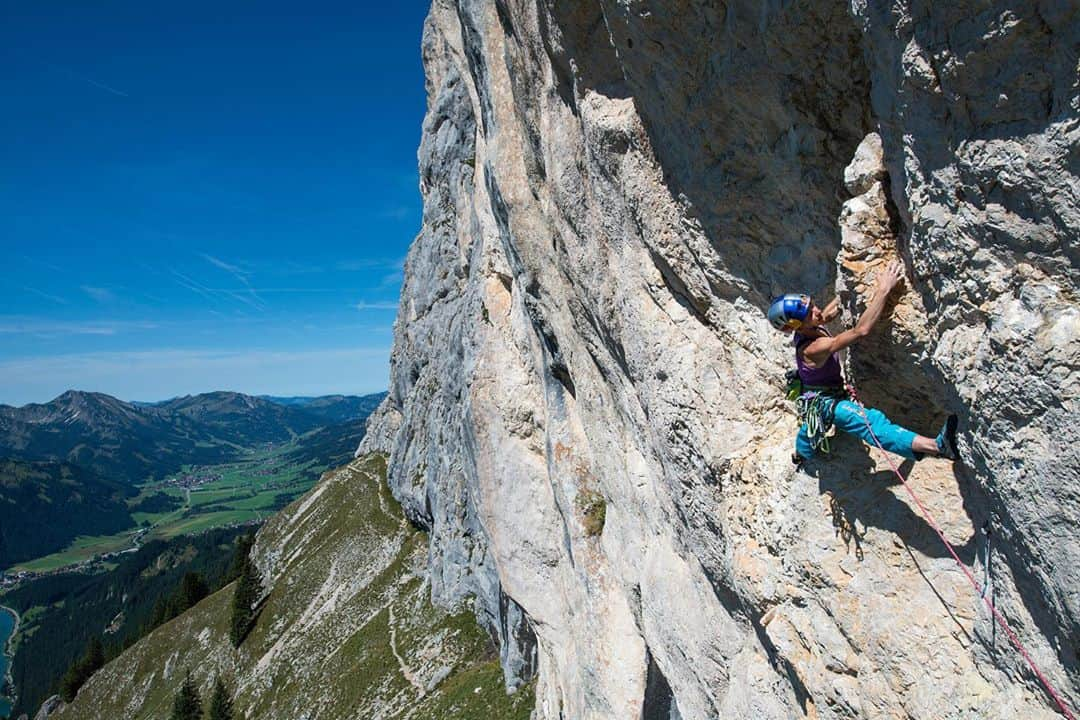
[{"x": 946, "y": 439}]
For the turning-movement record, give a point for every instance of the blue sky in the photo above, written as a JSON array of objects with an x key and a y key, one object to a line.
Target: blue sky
[{"x": 198, "y": 196}]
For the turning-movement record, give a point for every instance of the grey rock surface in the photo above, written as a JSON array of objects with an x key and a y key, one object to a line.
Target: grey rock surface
[
  {"x": 49, "y": 707},
  {"x": 380, "y": 430},
  {"x": 613, "y": 192}
]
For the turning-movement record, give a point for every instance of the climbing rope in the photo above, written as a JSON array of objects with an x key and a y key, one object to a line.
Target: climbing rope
[{"x": 979, "y": 590}]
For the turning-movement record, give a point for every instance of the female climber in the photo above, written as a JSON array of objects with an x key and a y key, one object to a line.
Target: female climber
[{"x": 822, "y": 398}]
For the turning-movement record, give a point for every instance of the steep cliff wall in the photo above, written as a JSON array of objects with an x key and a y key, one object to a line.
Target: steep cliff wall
[{"x": 585, "y": 404}]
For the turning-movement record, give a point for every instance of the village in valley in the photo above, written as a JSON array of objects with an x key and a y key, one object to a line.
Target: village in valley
[{"x": 194, "y": 500}]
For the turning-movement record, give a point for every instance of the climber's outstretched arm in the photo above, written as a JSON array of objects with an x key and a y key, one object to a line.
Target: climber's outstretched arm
[
  {"x": 818, "y": 351},
  {"x": 832, "y": 310}
]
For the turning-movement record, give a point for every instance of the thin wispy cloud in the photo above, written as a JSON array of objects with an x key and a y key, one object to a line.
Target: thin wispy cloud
[
  {"x": 48, "y": 328},
  {"x": 215, "y": 295},
  {"x": 43, "y": 263},
  {"x": 376, "y": 305},
  {"x": 48, "y": 296},
  {"x": 292, "y": 267},
  {"x": 365, "y": 264},
  {"x": 184, "y": 281},
  {"x": 394, "y": 278},
  {"x": 154, "y": 299},
  {"x": 251, "y": 297},
  {"x": 271, "y": 290},
  {"x": 218, "y": 262},
  {"x": 99, "y": 294},
  {"x": 103, "y": 86},
  {"x": 89, "y": 81},
  {"x": 400, "y": 212},
  {"x": 390, "y": 280}
]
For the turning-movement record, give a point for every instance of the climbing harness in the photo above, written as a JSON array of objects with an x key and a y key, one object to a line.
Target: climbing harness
[
  {"x": 816, "y": 407},
  {"x": 979, "y": 589},
  {"x": 818, "y": 412}
]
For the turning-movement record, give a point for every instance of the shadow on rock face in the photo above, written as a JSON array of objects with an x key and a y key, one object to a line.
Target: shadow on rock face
[
  {"x": 860, "y": 498},
  {"x": 752, "y": 119}
]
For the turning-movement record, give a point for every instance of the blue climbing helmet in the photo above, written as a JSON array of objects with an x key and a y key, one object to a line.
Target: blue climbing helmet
[{"x": 788, "y": 312}]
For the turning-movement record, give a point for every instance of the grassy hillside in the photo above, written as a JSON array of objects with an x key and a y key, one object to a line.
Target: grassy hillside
[
  {"x": 61, "y": 613},
  {"x": 330, "y": 446},
  {"x": 346, "y": 631}
]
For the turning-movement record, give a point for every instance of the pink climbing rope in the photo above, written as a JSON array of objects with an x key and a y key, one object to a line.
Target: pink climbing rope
[
  {"x": 1001, "y": 621},
  {"x": 971, "y": 579}
]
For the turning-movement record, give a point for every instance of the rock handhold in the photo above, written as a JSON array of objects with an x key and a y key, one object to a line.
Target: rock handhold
[{"x": 867, "y": 167}]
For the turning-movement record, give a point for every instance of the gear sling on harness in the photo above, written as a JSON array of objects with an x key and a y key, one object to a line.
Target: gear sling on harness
[
  {"x": 823, "y": 402},
  {"x": 817, "y": 412}
]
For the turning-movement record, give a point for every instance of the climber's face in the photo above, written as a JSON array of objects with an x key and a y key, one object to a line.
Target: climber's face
[{"x": 814, "y": 316}]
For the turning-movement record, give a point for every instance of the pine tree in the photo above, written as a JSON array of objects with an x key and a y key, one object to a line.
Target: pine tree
[
  {"x": 92, "y": 660},
  {"x": 240, "y": 557},
  {"x": 193, "y": 588},
  {"x": 221, "y": 707},
  {"x": 160, "y": 614},
  {"x": 72, "y": 680},
  {"x": 188, "y": 704},
  {"x": 248, "y": 590}
]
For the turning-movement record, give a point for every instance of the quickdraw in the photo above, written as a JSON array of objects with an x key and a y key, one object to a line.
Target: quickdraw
[
  {"x": 816, "y": 406},
  {"x": 818, "y": 412}
]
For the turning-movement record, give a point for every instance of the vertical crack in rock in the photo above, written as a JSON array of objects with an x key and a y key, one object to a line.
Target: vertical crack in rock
[
  {"x": 979, "y": 125},
  {"x": 613, "y": 190},
  {"x": 518, "y": 650},
  {"x": 659, "y": 703}
]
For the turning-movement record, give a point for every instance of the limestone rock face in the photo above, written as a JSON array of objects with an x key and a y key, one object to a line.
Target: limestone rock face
[
  {"x": 382, "y": 427},
  {"x": 586, "y": 402}
]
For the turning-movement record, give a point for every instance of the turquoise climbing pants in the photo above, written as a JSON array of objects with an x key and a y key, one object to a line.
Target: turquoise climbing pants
[{"x": 849, "y": 418}]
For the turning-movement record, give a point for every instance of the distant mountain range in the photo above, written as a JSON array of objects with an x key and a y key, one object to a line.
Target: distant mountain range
[
  {"x": 67, "y": 466},
  {"x": 336, "y": 408},
  {"x": 133, "y": 443}
]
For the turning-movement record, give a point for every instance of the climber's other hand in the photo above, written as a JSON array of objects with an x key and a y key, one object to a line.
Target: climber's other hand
[{"x": 890, "y": 276}]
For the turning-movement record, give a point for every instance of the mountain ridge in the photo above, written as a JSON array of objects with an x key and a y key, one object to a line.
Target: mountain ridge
[{"x": 136, "y": 442}]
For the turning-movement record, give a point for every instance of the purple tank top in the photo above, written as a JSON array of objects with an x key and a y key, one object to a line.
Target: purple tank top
[{"x": 828, "y": 375}]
